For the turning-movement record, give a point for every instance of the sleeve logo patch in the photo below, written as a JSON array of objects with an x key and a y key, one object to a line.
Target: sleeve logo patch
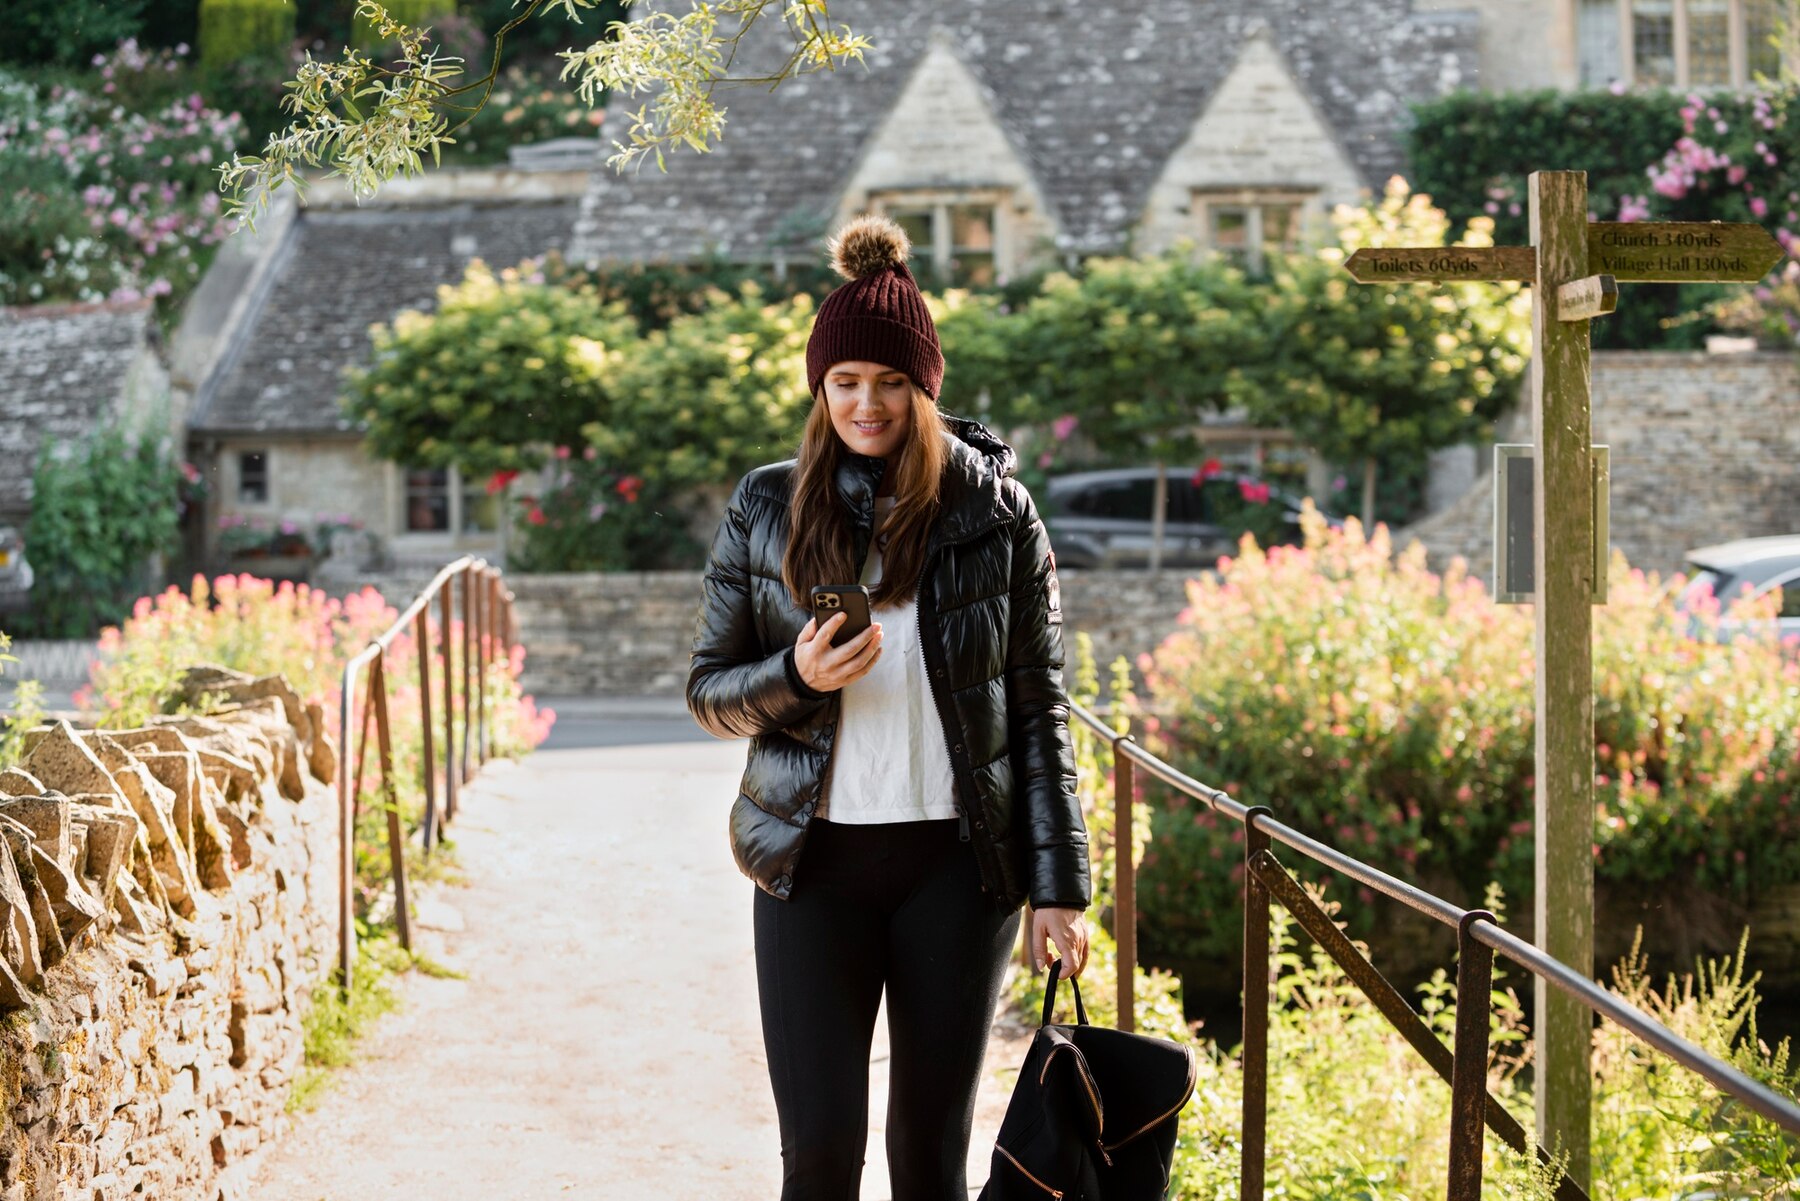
[{"x": 1053, "y": 591}]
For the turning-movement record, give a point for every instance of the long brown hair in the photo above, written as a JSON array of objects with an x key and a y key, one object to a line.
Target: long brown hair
[{"x": 819, "y": 549}]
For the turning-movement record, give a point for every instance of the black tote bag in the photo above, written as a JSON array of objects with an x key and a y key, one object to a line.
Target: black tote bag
[{"x": 1092, "y": 1117}]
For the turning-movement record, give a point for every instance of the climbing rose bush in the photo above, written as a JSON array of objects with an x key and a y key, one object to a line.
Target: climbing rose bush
[
  {"x": 106, "y": 200},
  {"x": 1389, "y": 710}
]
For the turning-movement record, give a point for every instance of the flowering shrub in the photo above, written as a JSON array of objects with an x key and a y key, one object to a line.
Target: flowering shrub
[
  {"x": 106, "y": 202},
  {"x": 258, "y": 626},
  {"x": 1355, "y": 1112},
  {"x": 504, "y": 367},
  {"x": 250, "y": 535},
  {"x": 1389, "y": 710}
]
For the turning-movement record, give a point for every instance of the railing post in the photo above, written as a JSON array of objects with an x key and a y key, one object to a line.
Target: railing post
[
  {"x": 1468, "y": 1072},
  {"x": 450, "y": 780},
  {"x": 484, "y": 596},
  {"x": 362, "y": 755},
  {"x": 346, "y": 834},
  {"x": 1124, "y": 880},
  {"x": 496, "y": 636},
  {"x": 390, "y": 797},
  {"x": 1256, "y": 1012},
  {"x": 468, "y": 633},
  {"x": 427, "y": 765}
]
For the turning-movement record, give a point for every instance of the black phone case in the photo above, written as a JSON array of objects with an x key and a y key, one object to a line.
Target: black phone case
[{"x": 853, "y": 599}]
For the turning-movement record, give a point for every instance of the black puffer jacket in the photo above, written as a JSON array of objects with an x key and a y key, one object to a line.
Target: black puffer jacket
[{"x": 990, "y": 627}]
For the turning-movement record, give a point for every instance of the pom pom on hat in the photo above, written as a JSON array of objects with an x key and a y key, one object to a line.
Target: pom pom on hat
[{"x": 867, "y": 245}]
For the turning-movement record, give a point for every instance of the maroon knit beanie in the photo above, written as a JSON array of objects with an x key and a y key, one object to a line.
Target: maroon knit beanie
[{"x": 877, "y": 315}]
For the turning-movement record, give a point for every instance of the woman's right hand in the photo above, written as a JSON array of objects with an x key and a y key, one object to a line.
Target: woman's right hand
[{"x": 826, "y": 668}]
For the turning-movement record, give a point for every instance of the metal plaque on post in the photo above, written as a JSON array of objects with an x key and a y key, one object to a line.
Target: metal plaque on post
[{"x": 1515, "y": 580}]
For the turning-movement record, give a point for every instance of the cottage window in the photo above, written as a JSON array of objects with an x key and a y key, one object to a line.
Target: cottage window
[
  {"x": 438, "y": 501},
  {"x": 956, "y": 236},
  {"x": 427, "y": 499},
  {"x": 479, "y": 512},
  {"x": 1676, "y": 43},
  {"x": 1246, "y": 225},
  {"x": 253, "y": 477}
]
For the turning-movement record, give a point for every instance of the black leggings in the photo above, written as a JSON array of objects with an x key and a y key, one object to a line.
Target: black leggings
[{"x": 896, "y": 904}]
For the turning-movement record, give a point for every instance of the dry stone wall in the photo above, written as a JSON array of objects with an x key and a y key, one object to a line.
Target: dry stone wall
[{"x": 166, "y": 907}]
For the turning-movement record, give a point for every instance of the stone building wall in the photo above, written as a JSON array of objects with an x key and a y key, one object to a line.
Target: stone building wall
[
  {"x": 167, "y": 904},
  {"x": 629, "y": 633},
  {"x": 1705, "y": 448}
]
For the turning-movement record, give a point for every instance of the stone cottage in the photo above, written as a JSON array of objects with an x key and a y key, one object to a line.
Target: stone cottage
[{"x": 267, "y": 426}]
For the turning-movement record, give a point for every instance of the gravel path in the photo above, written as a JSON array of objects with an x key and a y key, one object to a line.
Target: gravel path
[{"x": 606, "y": 1042}]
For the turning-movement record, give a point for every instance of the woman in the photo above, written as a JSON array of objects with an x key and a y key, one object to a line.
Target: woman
[{"x": 907, "y": 791}]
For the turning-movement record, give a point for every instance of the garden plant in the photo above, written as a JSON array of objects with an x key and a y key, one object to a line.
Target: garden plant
[
  {"x": 1355, "y": 1112},
  {"x": 1388, "y": 709}
]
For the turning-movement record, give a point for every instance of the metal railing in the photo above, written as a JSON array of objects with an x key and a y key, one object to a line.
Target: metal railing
[
  {"x": 489, "y": 631},
  {"x": 1478, "y": 937}
]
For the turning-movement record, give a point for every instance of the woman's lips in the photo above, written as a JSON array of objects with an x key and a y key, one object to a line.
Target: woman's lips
[{"x": 870, "y": 427}]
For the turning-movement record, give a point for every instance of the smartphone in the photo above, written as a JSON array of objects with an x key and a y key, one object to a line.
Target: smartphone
[{"x": 850, "y": 599}]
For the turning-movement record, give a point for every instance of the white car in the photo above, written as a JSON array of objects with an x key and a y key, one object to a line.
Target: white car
[{"x": 1761, "y": 565}]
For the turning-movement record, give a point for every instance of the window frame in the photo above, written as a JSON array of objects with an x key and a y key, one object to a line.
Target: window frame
[
  {"x": 940, "y": 200},
  {"x": 1737, "y": 41},
  {"x": 455, "y": 485},
  {"x": 267, "y": 498},
  {"x": 1203, "y": 201}
]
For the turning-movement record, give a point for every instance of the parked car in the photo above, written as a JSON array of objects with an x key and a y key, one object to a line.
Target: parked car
[
  {"x": 1102, "y": 518},
  {"x": 15, "y": 571},
  {"x": 1761, "y": 565}
]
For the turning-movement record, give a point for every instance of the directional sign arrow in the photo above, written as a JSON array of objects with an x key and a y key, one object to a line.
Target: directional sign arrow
[
  {"x": 1681, "y": 251},
  {"x": 1400, "y": 264}
]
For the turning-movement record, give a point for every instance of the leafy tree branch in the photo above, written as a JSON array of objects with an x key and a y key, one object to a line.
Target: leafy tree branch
[{"x": 679, "y": 58}]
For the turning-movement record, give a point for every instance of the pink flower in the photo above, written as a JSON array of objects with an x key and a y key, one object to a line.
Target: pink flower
[
  {"x": 562, "y": 452},
  {"x": 1759, "y": 206},
  {"x": 499, "y": 480},
  {"x": 1063, "y": 426},
  {"x": 535, "y": 516},
  {"x": 588, "y": 453},
  {"x": 1045, "y": 459},
  {"x": 628, "y": 488}
]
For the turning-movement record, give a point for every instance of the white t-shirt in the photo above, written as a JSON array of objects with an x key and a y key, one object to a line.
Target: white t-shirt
[{"x": 890, "y": 763}]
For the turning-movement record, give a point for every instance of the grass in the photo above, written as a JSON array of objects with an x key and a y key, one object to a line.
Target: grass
[{"x": 335, "y": 1022}]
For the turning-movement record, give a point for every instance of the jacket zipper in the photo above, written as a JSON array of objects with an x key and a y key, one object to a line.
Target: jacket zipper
[
  {"x": 1054, "y": 1192},
  {"x": 962, "y": 811}
]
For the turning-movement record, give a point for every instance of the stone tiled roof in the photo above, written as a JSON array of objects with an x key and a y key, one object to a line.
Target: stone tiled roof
[
  {"x": 1095, "y": 97},
  {"x": 62, "y": 367},
  {"x": 341, "y": 271}
]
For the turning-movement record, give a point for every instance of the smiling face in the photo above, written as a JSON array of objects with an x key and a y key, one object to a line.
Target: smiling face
[{"x": 871, "y": 407}]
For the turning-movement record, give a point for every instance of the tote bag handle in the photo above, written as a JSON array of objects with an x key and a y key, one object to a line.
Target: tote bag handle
[{"x": 1050, "y": 995}]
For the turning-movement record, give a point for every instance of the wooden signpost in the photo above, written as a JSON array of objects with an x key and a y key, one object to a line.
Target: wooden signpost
[{"x": 1576, "y": 266}]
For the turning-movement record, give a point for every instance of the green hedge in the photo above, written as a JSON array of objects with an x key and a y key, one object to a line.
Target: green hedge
[
  {"x": 233, "y": 29},
  {"x": 1472, "y": 151}
]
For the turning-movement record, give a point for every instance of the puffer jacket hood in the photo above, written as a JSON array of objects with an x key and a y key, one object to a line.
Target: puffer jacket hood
[{"x": 990, "y": 628}]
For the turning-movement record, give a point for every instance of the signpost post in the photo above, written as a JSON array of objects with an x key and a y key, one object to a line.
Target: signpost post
[{"x": 1576, "y": 267}]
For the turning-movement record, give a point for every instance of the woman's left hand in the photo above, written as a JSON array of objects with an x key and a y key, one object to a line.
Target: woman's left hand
[{"x": 1067, "y": 928}]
